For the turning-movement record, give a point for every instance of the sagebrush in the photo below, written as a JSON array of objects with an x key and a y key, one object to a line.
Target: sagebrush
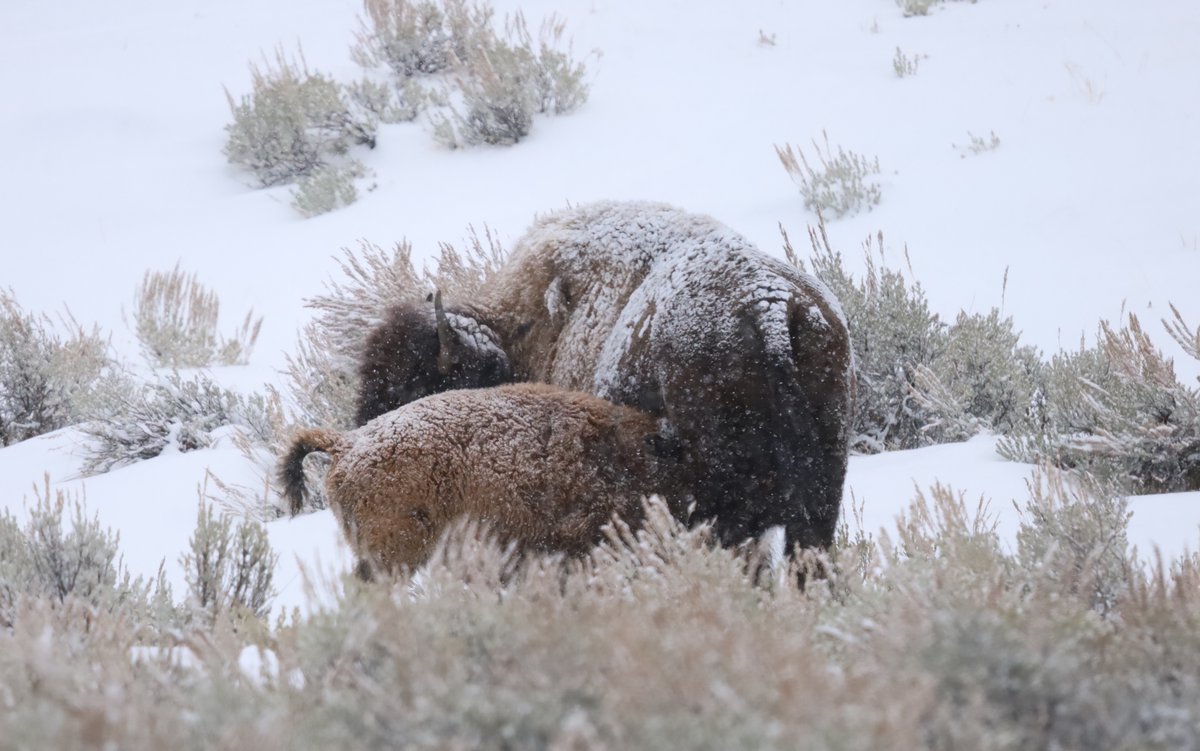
[
  {"x": 229, "y": 568},
  {"x": 175, "y": 318},
  {"x": 45, "y": 377},
  {"x": 503, "y": 81},
  {"x": 920, "y": 381},
  {"x": 45, "y": 559},
  {"x": 904, "y": 64},
  {"x": 390, "y": 101},
  {"x": 414, "y": 37},
  {"x": 1115, "y": 410},
  {"x": 841, "y": 183},
  {"x": 1118, "y": 410},
  {"x": 294, "y": 122},
  {"x": 483, "y": 85},
  {"x": 917, "y": 7},
  {"x": 497, "y": 105},
  {"x": 326, "y": 188},
  {"x": 977, "y": 145},
  {"x": 936, "y": 637},
  {"x": 131, "y": 420},
  {"x": 487, "y": 83}
]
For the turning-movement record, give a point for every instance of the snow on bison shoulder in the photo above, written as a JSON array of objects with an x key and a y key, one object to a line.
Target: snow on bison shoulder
[{"x": 746, "y": 357}]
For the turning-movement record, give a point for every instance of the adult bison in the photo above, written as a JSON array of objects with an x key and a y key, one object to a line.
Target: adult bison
[{"x": 744, "y": 357}]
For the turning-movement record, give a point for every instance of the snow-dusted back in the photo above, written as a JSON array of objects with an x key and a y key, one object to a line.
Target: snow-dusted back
[{"x": 642, "y": 270}]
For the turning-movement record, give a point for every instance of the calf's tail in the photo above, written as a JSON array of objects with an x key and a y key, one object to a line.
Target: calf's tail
[{"x": 291, "y": 468}]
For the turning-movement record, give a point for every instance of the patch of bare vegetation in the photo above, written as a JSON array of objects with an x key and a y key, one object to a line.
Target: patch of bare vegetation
[
  {"x": 294, "y": 122},
  {"x": 132, "y": 420},
  {"x": 919, "y": 380},
  {"x": 919, "y": 7},
  {"x": 1117, "y": 410},
  {"x": 977, "y": 145}
]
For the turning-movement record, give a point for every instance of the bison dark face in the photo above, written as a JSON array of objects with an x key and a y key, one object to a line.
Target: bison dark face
[{"x": 421, "y": 350}]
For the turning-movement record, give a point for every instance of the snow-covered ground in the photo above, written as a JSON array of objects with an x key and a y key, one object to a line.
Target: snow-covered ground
[{"x": 114, "y": 120}]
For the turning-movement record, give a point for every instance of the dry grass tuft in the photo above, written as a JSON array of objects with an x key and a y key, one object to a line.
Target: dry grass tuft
[
  {"x": 841, "y": 183},
  {"x": 175, "y": 318}
]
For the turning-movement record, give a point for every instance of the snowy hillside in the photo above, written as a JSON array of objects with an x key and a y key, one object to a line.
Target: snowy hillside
[{"x": 1086, "y": 209}]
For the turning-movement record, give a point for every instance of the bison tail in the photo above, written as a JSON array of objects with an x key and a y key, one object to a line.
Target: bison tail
[
  {"x": 816, "y": 396},
  {"x": 291, "y": 469}
]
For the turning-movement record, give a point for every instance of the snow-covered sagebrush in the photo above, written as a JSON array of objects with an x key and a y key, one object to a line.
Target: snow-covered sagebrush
[
  {"x": 415, "y": 36},
  {"x": 131, "y": 421},
  {"x": 45, "y": 378},
  {"x": 326, "y": 188},
  {"x": 920, "y": 381},
  {"x": 1119, "y": 411},
  {"x": 294, "y": 122},
  {"x": 229, "y": 567},
  {"x": 485, "y": 85},
  {"x": 504, "y": 81},
  {"x": 935, "y": 638},
  {"x": 62, "y": 554},
  {"x": 839, "y": 184}
]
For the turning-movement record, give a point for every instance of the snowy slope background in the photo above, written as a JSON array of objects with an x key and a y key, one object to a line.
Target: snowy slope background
[{"x": 115, "y": 115}]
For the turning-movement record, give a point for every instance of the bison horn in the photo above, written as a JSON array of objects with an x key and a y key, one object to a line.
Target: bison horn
[{"x": 449, "y": 343}]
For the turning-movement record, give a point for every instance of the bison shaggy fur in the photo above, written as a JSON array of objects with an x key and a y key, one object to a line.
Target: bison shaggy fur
[
  {"x": 542, "y": 467},
  {"x": 746, "y": 358}
]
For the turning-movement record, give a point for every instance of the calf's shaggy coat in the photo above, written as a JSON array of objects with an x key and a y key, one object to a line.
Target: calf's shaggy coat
[
  {"x": 747, "y": 358},
  {"x": 542, "y": 467}
]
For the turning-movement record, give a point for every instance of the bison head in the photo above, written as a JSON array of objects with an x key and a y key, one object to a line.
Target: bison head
[{"x": 420, "y": 350}]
